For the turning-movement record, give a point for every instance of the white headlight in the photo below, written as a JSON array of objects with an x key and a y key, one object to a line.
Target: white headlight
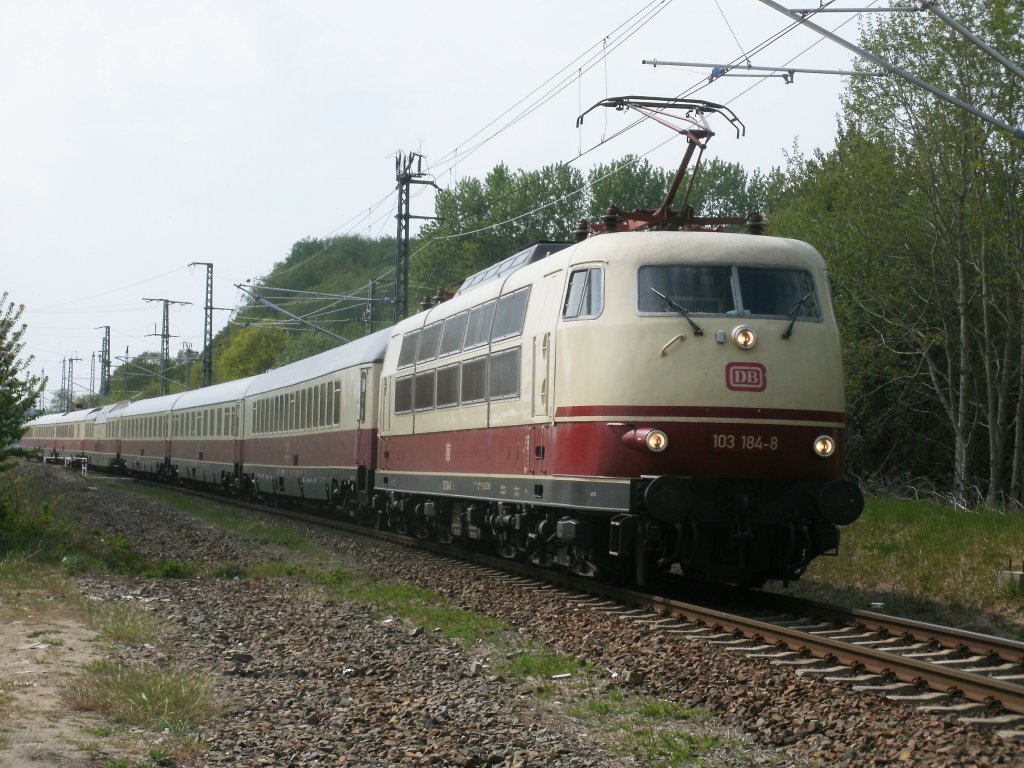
[
  {"x": 744, "y": 336},
  {"x": 824, "y": 446},
  {"x": 656, "y": 440}
]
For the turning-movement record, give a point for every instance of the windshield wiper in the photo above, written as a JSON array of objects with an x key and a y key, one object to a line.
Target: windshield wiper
[
  {"x": 697, "y": 330},
  {"x": 792, "y": 315}
]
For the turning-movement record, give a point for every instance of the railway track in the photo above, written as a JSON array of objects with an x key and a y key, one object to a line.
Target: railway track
[{"x": 979, "y": 678}]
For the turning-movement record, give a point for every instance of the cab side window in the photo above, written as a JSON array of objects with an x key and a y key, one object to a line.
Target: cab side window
[{"x": 585, "y": 295}]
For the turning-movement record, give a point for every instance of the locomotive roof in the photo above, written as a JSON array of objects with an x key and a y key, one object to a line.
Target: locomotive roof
[
  {"x": 698, "y": 247},
  {"x": 533, "y": 253},
  {"x": 369, "y": 349}
]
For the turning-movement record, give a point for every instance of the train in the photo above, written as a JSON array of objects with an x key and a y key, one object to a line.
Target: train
[{"x": 656, "y": 397}]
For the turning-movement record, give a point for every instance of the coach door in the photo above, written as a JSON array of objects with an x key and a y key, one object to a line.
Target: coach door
[
  {"x": 544, "y": 345},
  {"x": 364, "y": 437}
]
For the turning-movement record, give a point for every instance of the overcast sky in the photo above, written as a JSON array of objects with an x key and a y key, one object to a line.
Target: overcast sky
[{"x": 137, "y": 137}]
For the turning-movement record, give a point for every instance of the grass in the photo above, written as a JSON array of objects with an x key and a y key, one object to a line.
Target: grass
[
  {"x": 145, "y": 695},
  {"x": 229, "y": 519},
  {"x": 655, "y": 731},
  {"x": 418, "y": 606},
  {"x": 538, "y": 662},
  {"x": 126, "y": 624},
  {"x": 922, "y": 559}
]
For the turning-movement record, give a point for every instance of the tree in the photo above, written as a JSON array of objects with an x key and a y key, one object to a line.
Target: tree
[
  {"x": 480, "y": 223},
  {"x": 20, "y": 390},
  {"x": 919, "y": 210},
  {"x": 254, "y": 350}
]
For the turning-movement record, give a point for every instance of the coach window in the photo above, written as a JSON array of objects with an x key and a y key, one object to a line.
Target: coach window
[
  {"x": 454, "y": 332},
  {"x": 585, "y": 296},
  {"x": 403, "y": 395},
  {"x": 510, "y": 315},
  {"x": 503, "y": 376},
  {"x": 474, "y": 380},
  {"x": 325, "y": 417},
  {"x": 337, "y": 400},
  {"x": 429, "y": 339},
  {"x": 407, "y": 354},
  {"x": 479, "y": 328}
]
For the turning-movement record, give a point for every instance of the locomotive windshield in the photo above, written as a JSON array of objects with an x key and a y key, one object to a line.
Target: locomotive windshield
[{"x": 727, "y": 290}]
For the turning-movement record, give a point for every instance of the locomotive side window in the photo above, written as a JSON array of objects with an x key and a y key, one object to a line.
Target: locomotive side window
[
  {"x": 403, "y": 394},
  {"x": 448, "y": 386},
  {"x": 778, "y": 292},
  {"x": 701, "y": 289},
  {"x": 479, "y": 329},
  {"x": 474, "y": 380},
  {"x": 503, "y": 377},
  {"x": 510, "y": 315},
  {"x": 429, "y": 338},
  {"x": 585, "y": 295},
  {"x": 454, "y": 332},
  {"x": 407, "y": 354},
  {"x": 423, "y": 391}
]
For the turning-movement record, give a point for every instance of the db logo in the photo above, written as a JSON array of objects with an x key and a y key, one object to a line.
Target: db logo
[{"x": 750, "y": 377}]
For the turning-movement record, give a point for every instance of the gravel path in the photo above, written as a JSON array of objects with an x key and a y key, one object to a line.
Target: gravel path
[{"x": 314, "y": 681}]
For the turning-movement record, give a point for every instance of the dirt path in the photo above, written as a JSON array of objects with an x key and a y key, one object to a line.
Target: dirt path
[{"x": 36, "y": 729}]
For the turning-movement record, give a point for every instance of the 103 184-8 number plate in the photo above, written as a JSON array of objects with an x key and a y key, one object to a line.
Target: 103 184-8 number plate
[{"x": 729, "y": 441}]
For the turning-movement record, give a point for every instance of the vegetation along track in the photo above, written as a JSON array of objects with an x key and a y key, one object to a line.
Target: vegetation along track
[{"x": 979, "y": 678}]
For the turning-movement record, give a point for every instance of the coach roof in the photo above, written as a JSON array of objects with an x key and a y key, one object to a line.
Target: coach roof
[{"x": 369, "y": 349}]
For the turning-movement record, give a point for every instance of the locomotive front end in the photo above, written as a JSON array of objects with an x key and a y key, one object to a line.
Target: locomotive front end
[{"x": 718, "y": 391}]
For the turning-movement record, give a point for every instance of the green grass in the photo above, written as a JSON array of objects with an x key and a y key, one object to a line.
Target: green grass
[
  {"x": 418, "y": 606},
  {"x": 924, "y": 559},
  {"x": 538, "y": 662},
  {"x": 228, "y": 519},
  {"x": 656, "y": 731},
  {"x": 144, "y": 695},
  {"x": 126, "y": 624}
]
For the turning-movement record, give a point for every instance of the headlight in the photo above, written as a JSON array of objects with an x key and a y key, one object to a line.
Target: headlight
[
  {"x": 744, "y": 336},
  {"x": 656, "y": 440},
  {"x": 824, "y": 446}
]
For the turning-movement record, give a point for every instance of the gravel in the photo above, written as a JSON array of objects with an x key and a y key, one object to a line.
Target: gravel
[{"x": 311, "y": 680}]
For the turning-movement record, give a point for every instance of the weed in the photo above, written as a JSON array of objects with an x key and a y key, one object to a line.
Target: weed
[
  {"x": 658, "y": 732},
  {"x": 126, "y": 624},
  {"x": 229, "y": 570},
  {"x": 419, "y": 606},
  {"x": 538, "y": 663},
  {"x": 144, "y": 695}
]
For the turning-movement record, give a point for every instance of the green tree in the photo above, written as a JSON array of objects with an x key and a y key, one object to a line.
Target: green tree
[
  {"x": 480, "y": 223},
  {"x": 254, "y": 350},
  {"x": 924, "y": 238},
  {"x": 20, "y": 390}
]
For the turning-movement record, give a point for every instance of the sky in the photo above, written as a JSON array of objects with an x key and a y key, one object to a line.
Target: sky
[{"x": 139, "y": 137}]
